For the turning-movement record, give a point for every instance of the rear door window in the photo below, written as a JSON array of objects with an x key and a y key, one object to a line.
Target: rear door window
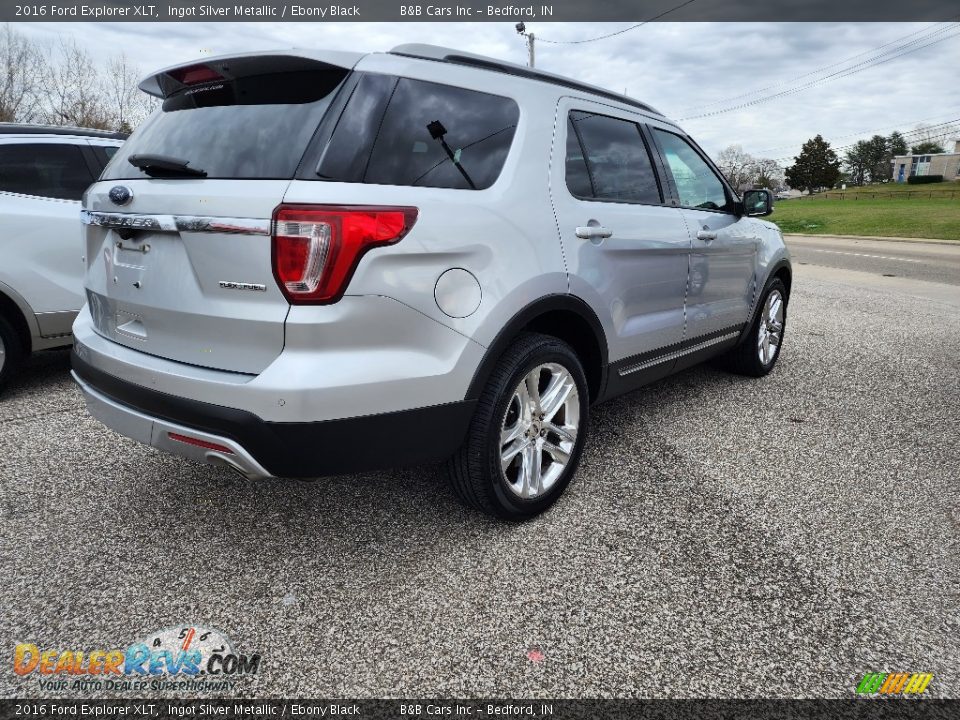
[
  {"x": 45, "y": 170},
  {"x": 253, "y": 127},
  {"x": 429, "y": 135},
  {"x": 617, "y": 160}
]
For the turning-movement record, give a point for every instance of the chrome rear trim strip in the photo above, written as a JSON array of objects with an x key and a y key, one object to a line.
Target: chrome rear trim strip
[{"x": 177, "y": 223}]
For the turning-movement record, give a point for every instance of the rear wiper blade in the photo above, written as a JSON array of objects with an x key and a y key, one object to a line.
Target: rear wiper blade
[{"x": 165, "y": 166}]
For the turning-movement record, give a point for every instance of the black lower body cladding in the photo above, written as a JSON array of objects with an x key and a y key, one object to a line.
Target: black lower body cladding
[{"x": 305, "y": 449}]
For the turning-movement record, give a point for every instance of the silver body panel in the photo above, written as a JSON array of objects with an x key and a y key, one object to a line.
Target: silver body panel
[
  {"x": 192, "y": 329},
  {"x": 41, "y": 246}
]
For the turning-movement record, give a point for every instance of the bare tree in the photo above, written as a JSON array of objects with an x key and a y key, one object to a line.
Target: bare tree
[
  {"x": 738, "y": 166},
  {"x": 130, "y": 105},
  {"x": 768, "y": 174},
  {"x": 745, "y": 171},
  {"x": 77, "y": 93},
  {"x": 23, "y": 69}
]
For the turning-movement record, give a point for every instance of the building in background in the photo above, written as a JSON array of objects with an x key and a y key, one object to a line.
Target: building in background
[{"x": 946, "y": 164}]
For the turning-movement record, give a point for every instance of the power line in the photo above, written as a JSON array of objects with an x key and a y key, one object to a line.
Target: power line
[
  {"x": 618, "y": 32},
  {"x": 861, "y": 133},
  {"x": 817, "y": 71},
  {"x": 946, "y": 130},
  {"x": 859, "y": 67}
]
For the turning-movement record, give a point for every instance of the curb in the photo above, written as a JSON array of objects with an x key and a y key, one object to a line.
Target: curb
[{"x": 932, "y": 241}]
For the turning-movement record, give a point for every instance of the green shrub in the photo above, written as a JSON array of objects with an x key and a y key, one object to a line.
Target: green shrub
[{"x": 923, "y": 179}]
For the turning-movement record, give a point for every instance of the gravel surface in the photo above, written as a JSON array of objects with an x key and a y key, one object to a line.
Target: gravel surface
[{"x": 725, "y": 537}]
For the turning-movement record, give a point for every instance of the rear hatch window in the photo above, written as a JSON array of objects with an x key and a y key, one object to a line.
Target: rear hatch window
[{"x": 249, "y": 127}]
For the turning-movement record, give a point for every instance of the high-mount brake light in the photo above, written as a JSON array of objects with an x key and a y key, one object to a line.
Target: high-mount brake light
[
  {"x": 195, "y": 75},
  {"x": 316, "y": 248}
]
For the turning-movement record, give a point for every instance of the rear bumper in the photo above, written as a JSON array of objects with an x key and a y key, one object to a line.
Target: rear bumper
[{"x": 258, "y": 448}]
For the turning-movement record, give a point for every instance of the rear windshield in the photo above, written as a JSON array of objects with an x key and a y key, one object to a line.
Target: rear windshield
[{"x": 255, "y": 127}]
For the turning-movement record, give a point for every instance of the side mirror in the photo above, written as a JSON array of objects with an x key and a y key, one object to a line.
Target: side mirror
[{"x": 757, "y": 203}]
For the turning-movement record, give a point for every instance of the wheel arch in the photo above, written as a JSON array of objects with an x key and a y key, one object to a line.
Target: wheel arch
[
  {"x": 784, "y": 271},
  {"x": 11, "y": 308},
  {"x": 563, "y": 316}
]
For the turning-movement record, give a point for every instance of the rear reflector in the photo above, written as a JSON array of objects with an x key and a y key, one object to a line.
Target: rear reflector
[
  {"x": 316, "y": 248},
  {"x": 195, "y": 75},
  {"x": 199, "y": 443}
]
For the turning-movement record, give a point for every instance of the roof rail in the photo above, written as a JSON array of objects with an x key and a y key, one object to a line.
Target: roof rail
[
  {"x": 449, "y": 55},
  {"x": 30, "y": 129}
]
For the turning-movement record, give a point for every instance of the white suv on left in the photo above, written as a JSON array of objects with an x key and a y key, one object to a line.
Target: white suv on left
[{"x": 43, "y": 174}]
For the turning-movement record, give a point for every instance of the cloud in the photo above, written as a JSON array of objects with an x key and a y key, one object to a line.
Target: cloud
[{"x": 675, "y": 67}]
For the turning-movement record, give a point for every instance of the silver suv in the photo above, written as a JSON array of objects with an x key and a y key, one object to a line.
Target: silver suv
[
  {"x": 43, "y": 173},
  {"x": 309, "y": 262}
]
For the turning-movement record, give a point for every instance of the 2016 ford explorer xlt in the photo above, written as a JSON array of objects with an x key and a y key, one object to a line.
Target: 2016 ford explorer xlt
[{"x": 309, "y": 263}]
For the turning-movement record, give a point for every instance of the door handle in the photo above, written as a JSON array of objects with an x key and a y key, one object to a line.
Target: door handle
[
  {"x": 592, "y": 232},
  {"x": 706, "y": 235}
]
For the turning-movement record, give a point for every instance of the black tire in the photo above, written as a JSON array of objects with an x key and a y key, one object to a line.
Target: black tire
[
  {"x": 744, "y": 359},
  {"x": 12, "y": 350},
  {"x": 475, "y": 470}
]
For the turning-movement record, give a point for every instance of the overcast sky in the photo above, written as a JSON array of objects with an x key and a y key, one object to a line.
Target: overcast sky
[{"x": 682, "y": 69}]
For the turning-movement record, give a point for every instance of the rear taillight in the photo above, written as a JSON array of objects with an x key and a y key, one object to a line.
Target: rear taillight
[{"x": 316, "y": 248}]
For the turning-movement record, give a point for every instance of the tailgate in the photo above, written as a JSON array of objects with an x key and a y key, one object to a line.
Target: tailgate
[
  {"x": 184, "y": 284},
  {"x": 178, "y": 246}
]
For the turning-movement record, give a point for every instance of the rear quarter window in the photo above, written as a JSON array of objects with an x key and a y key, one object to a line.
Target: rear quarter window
[{"x": 429, "y": 135}]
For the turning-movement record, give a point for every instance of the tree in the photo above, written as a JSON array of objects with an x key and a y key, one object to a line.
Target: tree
[
  {"x": 129, "y": 104},
  {"x": 857, "y": 161},
  {"x": 23, "y": 69},
  {"x": 738, "y": 166},
  {"x": 927, "y": 147},
  {"x": 878, "y": 159},
  {"x": 77, "y": 92},
  {"x": 768, "y": 174},
  {"x": 744, "y": 171},
  {"x": 817, "y": 166},
  {"x": 896, "y": 144}
]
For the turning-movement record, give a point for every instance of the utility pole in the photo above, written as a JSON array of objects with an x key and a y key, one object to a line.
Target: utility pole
[{"x": 531, "y": 38}]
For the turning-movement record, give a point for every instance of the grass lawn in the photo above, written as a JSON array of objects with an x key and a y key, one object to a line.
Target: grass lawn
[{"x": 921, "y": 217}]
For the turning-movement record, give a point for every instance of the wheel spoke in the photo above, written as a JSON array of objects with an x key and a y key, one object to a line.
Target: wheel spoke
[
  {"x": 557, "y": 452},
  {"x": 773, "y": 307},
  {"x": 564, "y": 434},
  {"x": 532, "y": 386},
  {"x": 556, "y": 395},
  {"x": 510, "y": 433},
  {"x": 507, "y": 455},
  {"x": 530, "y": 471}
]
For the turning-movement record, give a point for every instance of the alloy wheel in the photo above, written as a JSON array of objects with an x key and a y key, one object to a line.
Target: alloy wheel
[
  {"x": 770, "y": 332},
  {"x": 539, "y": 430}
]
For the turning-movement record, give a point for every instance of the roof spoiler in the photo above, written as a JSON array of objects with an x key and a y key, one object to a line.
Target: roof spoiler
[{"x": 172, "y": 80}]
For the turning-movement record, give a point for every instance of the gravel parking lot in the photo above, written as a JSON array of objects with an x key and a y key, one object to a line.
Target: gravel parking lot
[{"x": 726, "y": 537}]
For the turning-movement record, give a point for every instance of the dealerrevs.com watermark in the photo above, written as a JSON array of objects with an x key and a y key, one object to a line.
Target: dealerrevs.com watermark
[{"x": 187, "y": 658}]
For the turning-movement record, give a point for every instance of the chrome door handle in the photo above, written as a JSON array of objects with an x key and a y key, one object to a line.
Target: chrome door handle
[
  {"x": 706, "y": 235},
  {"x": 591, "y": 232}
]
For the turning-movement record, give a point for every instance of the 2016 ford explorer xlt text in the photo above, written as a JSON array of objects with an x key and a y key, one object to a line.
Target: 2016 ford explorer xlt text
[{"x": 309, "y": 263}]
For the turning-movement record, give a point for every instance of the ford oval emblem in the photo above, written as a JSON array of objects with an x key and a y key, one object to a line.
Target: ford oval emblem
[{"x": 120, "y": 194}]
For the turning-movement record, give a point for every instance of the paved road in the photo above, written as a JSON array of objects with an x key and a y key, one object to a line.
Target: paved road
[
  {"x": 932, "y": 262},
  {"x": 725, "y": 536}
]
